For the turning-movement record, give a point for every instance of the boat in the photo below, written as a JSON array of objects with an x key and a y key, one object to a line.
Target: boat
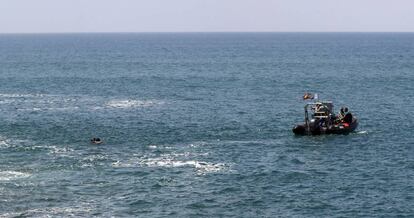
[{"x": 324, "y": 121}]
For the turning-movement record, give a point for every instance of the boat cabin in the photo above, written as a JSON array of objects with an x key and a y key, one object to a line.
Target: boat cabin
[{"x": 321, "y": 109}]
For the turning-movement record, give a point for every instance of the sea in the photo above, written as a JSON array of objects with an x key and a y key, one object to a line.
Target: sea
[{"x": 200, "y": 125}]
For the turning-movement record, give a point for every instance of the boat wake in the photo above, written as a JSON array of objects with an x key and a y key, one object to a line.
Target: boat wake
[
  {"x": 132, "y": 103},
  {"x": 201, "y": 167},
  {"x": 50, "y": 211},
  {"x": 164, "y": 162},
  {"x": 186, "y": 156},
  {"x": 12, "y": 175},
  {"x": 63, "y": 103},
  {"x": 362, "y": 132}
]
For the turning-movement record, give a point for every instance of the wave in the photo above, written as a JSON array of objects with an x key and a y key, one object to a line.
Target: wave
[
  {"x": 50, "y": 108},
  {"x": 204, "y": 167},
  {"x": 17, "y": 95},
  {"x": 169, "y": 162},
  {"x": 173, "y": 156},
  {"x": 50, "y": 211},
  {"x": 93, "y": 160},
  {"x": 59, "y": 103},
  {"x": 40, "y": 102},
  {"x": 152, "y": 146},
  {"x": 5, "y": 143},
  {"x": 132, "y": 103},
  {"x": 54, "y": 150},
  {"x": 362, "y": 132},
  {"x": 12, "y": 175},
  {"x": 28, "y": 145},
  {"x": 12, "y": 143}
]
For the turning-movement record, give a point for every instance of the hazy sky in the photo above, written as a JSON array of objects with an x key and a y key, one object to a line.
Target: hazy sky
[{"x": 205, "y": 15}]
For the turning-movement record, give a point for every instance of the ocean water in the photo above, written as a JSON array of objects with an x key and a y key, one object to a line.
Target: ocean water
[{"x": 199, "y": 125}]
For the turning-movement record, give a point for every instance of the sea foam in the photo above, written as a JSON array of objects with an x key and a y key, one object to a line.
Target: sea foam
[
  {"x": 170, "y": 162},
  {"x": 132, "y": 103},
  {"x": 12, "y": 175},
  {"x": 200, "y": 166}
]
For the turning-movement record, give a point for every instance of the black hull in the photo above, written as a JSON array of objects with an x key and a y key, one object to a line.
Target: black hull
[{"x": 301, "y": 129}]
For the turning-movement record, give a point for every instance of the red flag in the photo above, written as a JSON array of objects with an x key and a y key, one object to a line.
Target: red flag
[{"x": 307, "y": 96}]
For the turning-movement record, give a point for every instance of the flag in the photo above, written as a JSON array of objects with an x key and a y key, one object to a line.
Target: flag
[{"x": 307, "y": 96}]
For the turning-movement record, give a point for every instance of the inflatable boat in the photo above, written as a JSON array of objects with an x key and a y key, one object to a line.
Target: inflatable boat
[{"x": 322, "y": 120}]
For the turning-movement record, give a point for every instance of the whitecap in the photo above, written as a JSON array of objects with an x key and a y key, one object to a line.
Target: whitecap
[
  {"x": 11, "y": 143},
  {"x": 6, "y": 101},
  {"x": 167, "y": 162},
  {"x": 50, "y": 211},
  {"x": 43, "y": 102},
  {"x": 131, "y": 103},
  {"x": 96, "y": 108},
  {"x": 60, "y": 151},
  {"x": 12, "y": 175},
  {"x": 173, "y": 154},
  {"x": 69, "y": 108},
  {"x": 124, "y": 164},
  {"x": 62, "y": 108},
  {"x": 362, "y": 132},
  {"x": 18, "y": 95},
  {"x": 94, "y": 158},
  {"x": 200, "y": 166},
  {"x": 197, "y": 144},
  {"x": 5, "y": 144}
]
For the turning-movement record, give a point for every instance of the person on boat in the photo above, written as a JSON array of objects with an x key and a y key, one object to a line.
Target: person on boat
[
  {"x": 348, "y": 116},
  {"x": 322, "y": 122},
  {"x": 341, "y": 114},
  {"x": 339, "y": 118},
  {"x": 332, "y": 117}
]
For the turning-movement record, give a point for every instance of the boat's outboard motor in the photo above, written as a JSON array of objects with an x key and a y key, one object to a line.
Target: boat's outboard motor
[{"x": 299, "y": 130}]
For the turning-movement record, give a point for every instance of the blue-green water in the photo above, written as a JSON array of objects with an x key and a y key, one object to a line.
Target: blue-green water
[{"x": 199, "y": 125}]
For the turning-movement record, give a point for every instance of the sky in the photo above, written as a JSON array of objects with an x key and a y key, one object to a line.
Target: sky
[{"x": 60, "y": 16}]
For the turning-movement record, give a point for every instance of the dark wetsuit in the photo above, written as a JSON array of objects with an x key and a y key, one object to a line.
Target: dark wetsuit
[{"x": 348, "y": 118}]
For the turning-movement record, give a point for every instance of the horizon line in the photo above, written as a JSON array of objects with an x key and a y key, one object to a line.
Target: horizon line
[{"x": 207, "y": 32}]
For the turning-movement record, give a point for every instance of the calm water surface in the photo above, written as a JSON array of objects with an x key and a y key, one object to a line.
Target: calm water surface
[{"x": 199, "y": 125}]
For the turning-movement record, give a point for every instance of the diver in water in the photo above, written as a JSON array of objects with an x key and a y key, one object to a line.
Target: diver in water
[{"x": 96, "y": 140}]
